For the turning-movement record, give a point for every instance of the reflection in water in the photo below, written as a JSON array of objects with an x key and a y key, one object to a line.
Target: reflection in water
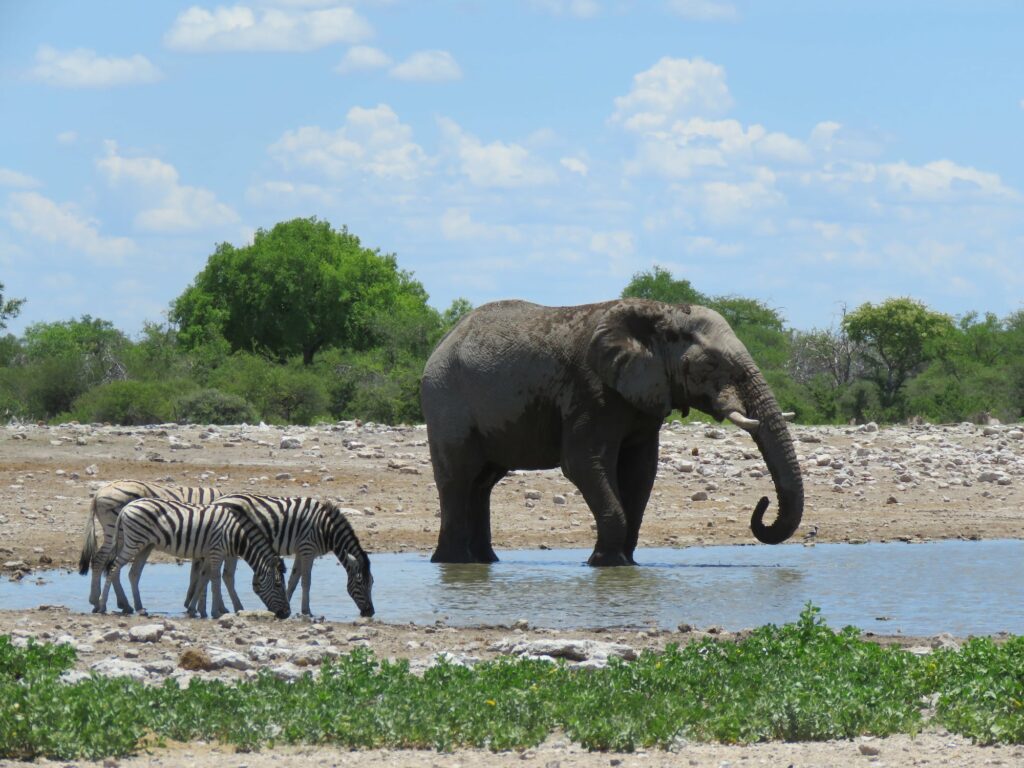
[{"x": 953, "y": 586}]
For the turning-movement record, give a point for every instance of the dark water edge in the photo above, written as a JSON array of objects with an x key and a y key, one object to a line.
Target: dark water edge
[{"x": 960, "y": 587}]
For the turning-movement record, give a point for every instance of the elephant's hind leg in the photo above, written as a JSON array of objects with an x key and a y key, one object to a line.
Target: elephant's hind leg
[
  {"x": 638, "y": 466},
  {"x": 595, "y": 477},
  {"x": 480, "y": 513}
]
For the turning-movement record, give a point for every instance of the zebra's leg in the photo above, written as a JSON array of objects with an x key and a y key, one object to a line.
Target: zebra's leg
[
  {"x": 108, "y": 523},
  {"x": 101, "y": 557},
  {"x": 198, "y": 604},
  {"x": 217, "y": 609},
  {"x": 193, "y": 587},
  {"x": 114, "y": 577},
  {"x": 135, "y": 574},
  {"x": 307, "y": 577},
  {"x": 230, "y": 563},
  {"x": 293, "y": 578}
]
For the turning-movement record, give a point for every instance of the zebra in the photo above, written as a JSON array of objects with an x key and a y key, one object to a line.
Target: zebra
[
  {"x": 105, "y": 505},
  {"x": 211, "y": 533},
  {"x": 304, "y": 527}
]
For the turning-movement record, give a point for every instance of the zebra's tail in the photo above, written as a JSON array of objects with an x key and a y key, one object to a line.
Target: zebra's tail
[{"x": 89, "y": 548}]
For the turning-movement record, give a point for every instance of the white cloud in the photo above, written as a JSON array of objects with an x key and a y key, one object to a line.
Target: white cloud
[
  {"x": 574, "y": 165},
  {"x": 372, "y": 141},
  {"x": 83, "y": 68},
  {"x": 704, "y": 10},
  {"x": 672, "y": 89},
  {"x": 694, "y": 143},
  {"x": 62, "y": 224},
  {"x": 726, "y": 203},
  {"x": 361, "y": 58},
  {"x": 9, "y": 178},
  {"x": 458, "y": 224},
  {"x": 943, "y": 180},
  {"x": 67, "y": 138},
  {"x": 581, "y": 9},
  {"x": 496, "y": 164},
  {"x": 172, "y": 207},
  {"x": 428, "y": 66},
  {"x": 241, "y": 28}
]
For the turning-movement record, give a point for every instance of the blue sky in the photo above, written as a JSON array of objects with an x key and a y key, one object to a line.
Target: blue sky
[{"x": 809, "y": 154}]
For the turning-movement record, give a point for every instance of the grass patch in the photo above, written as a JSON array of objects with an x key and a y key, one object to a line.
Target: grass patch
[{"x": 800, "y": 681}]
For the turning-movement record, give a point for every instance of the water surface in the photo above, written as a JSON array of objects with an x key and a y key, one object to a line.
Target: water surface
[{"x": 961, "y": 587}]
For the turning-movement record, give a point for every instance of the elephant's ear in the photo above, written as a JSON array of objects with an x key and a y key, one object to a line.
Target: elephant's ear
[{"x": 625, "y": 354}]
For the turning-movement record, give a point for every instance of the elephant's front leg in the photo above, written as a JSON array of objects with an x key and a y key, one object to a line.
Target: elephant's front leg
[
  {"x": 596, "y": 477},
  {"x": 638, "y": 466}
]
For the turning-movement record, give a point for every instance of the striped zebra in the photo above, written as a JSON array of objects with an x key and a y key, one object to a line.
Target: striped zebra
[
  {"x": 211, "y": 533},
  {"x": 306, "y": 528},
  {"x": 106, "y": 504}
]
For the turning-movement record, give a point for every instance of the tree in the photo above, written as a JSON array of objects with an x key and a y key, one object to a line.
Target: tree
[
  {"x": 899, "y": 337},
  {"x": 8, "y": 309},
  {"x": 299, "y": 288},
  {"x": 659, "y": 285}
]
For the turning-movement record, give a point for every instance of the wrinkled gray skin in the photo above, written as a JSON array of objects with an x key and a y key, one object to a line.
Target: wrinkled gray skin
[{"x": 520, "y": 386}]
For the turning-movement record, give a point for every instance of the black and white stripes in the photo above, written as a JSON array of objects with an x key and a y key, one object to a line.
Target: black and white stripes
[
  {"x": 210, "y": 533},
  {"x": 307, "y": 528},
  {"x": 107, "y": 502}
]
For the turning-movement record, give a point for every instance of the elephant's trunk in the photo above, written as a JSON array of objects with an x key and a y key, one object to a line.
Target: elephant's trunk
[{"x": 776, "y": 445}]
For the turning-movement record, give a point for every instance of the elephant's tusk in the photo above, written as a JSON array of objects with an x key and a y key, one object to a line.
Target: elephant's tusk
[
  {"x": 740, "y": 420},
  {"x": 788, "y": 415}
]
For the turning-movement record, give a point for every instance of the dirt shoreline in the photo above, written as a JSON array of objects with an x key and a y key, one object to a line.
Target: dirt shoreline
[{"x": 862, "y": 484}]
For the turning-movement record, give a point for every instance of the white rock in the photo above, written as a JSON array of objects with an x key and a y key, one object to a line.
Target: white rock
[
  {"x": 221, "y": 658},
  {"x": 146, "y": 633},
  {"x": 287, "y": 671},
  {"x": 120, "y": 668},
  {"x": 593, "y": 652}
]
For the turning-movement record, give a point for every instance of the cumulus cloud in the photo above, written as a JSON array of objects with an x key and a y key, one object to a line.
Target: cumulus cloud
[
  {"x": 371, "y": 141},
  {"x": 170, "y": 205},
  {"x": 241, "y": 28},
  {"x": 727, "y": 203},
  {"x": 670, "y": 90},
  {"x": 618, "y": 246},
  {"x": 686, "y": 145},
  {"x": 83, "y": 68},
  {"x": 44, "y": 219},
  {"x": 458, "y": 224},
  {"x": 704, "y": 10},
  {"x": 361, "y": 58},
  {"x": 496, "y": 164},
  {"x": 428, "y": 66},
  {"x": 9, "y": 178},
  {"x": 275, "y": 192},
  {"x": 943, "y": 180}
]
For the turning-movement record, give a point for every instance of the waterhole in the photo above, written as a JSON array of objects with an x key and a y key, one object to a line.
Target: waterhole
[{"x": 961, "y": 587}]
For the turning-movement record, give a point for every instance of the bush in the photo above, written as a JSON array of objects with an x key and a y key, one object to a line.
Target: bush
[
  {"x": 290, "y": 394},
  {"x": 211, "y": 406},
  {"x": 130, "y": 403}
]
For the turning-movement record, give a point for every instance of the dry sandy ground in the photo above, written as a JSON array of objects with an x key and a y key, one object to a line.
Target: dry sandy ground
[{"x": 862, "y": 484}]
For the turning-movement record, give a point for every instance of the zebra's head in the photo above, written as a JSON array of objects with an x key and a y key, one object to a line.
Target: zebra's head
[
  {"x": 360, "y": 581},
  {"x": 268, "y": 583}
]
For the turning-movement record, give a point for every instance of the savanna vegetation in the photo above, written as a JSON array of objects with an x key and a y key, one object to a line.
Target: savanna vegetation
[
  {"x": 306, "y": 324},
  {"x": 797, "y": 682}
]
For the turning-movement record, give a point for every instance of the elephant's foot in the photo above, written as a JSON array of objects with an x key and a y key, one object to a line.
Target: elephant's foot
[
  {"x": 457, "y": 551},
  {"x": 484, "y": 554},
  {"x": 601, "y": 559}
]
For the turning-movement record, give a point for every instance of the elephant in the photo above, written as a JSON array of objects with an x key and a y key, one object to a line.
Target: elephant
[{"x": 516, "y": 385}]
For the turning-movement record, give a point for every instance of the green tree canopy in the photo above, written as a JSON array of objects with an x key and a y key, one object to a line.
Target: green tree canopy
[
  {"x": 660, "y": 285},
  {"x": 9, "y": 308},
  {"x": 299, "y": 288},
  {"x": 898, "y": 336}
]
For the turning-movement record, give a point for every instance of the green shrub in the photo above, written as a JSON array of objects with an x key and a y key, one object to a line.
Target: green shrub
[
  {"x": 130, "y": 403},
  {"x": 211, "y": 406}
]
